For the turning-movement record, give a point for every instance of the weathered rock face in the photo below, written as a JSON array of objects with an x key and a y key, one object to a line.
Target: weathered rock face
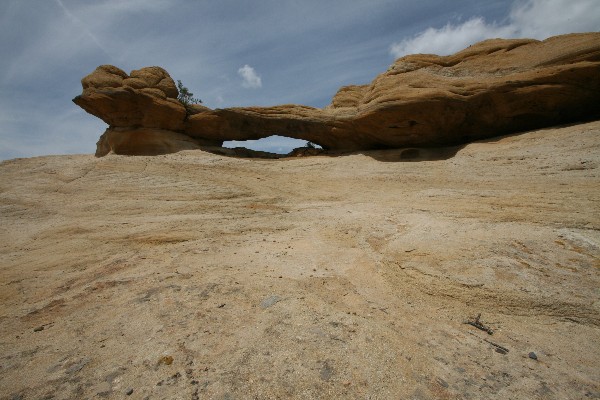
[
  {"x": 146, "y": 99},
  {"x": 143, "y": 141},
  {"x": 358, "y": 274},
  {"x": 492, "y": 88}
]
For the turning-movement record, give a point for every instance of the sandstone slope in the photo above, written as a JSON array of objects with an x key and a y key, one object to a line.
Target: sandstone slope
[
  {"x": 193, "y": 275},
  {"x": 491, "y": 88}
]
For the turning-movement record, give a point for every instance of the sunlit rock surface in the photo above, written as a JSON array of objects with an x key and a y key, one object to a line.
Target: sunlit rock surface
[{"x": 491, "y": 88}]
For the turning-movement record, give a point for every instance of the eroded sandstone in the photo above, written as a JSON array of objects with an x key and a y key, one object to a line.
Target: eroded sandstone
[
  {"x": 492, "y": 88},
  {"x": 197, "y": 276}
]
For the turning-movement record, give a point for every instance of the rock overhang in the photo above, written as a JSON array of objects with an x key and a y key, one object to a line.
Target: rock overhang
[{"x": 492, "y": 88}]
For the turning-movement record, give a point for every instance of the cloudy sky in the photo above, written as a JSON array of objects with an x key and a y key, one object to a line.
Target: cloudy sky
[{"x": 233, "y": 52}]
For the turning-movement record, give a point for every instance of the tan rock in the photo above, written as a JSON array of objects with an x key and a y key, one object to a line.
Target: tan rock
[
  {"x": 156, "y": 77},
  {"x": 147, "y": 98},
  {"x": 135, "y": 83},
  {"x": 194, "y": 275},
  {"x": 492, "y": 88},
  {"x": 348, "y": 97},
  {"x": 103, "y": 77},
  {"x": 146, "y": 142},
  {"x": 129, "y": 107}
]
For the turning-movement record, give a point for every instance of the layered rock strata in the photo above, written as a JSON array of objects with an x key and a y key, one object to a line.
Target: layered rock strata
[{"x": 491, "y": 88}]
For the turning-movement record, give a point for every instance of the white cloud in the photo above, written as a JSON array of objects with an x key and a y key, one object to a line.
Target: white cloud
[
  {"x": 251, "y": 80},
  {"x": 536, "y": 19},
  {"x": 450, "y": 38},
  {"x": 540, "y": 19}
]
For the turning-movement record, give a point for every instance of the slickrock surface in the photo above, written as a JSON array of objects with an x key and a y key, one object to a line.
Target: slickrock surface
[
  {"x": 491, "y": 88},
  {"x": 193, "y": 275}
]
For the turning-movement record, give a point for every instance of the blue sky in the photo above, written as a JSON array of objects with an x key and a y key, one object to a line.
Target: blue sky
[{"x": 233, "y": 53}]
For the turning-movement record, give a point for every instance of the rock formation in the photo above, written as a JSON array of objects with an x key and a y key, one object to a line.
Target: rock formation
[
  {"x": 491, "y": 88},
  {"x": 196, "y": 276}
]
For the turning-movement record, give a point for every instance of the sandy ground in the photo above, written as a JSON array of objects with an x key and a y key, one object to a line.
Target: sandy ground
[{"x": 197, "y": 276}]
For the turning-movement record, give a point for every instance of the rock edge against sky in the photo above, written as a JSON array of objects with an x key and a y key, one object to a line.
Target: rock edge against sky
[{"x": 491, "y": 88}]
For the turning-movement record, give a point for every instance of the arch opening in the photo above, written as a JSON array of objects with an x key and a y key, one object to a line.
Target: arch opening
[{"x": 273, "y": 144}]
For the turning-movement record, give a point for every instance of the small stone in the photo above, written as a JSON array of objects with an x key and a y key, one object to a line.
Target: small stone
[
  {"x": 442, "y": 383},
  {"x": 167, "y": 360},
  {"x": 78, "y": 366},
  {"x": 533, "y": 356},
  {"x": 39, "y": 328},
  {"x": 269, "y": 301},
  {"x": 129, "y": 392},
  {"x": 326, "y": 371}
]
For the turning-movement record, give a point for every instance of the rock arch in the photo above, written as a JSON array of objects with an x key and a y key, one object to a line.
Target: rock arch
[{"x": 492, "y": 88}]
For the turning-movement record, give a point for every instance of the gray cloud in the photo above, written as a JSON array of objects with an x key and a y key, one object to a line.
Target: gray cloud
[{"x": 79, "y": 25}]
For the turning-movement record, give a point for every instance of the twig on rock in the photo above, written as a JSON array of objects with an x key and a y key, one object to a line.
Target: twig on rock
[
  {"x": 477, "y": 324},
  {"x": 500, "y": 349}
]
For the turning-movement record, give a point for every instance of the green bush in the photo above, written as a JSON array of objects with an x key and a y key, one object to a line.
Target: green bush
[{"x": 186, "y": 97}]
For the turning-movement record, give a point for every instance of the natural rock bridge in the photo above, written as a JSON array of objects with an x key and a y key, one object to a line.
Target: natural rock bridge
[{"x": 492, "y": 88}]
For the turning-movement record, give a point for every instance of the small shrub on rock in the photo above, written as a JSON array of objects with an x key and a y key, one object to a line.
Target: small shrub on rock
[{"x": 186, "y": 97}]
